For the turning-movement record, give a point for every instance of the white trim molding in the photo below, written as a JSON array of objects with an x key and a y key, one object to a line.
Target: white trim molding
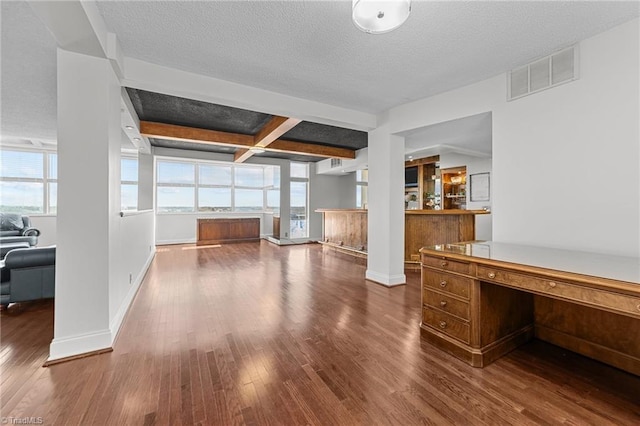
[{"x": 386, "y": 280}]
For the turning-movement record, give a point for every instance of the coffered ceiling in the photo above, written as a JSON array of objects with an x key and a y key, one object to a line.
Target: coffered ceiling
[{"x": 174, "y": 122}]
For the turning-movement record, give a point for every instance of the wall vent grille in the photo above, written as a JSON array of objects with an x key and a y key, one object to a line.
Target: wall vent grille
[
  {"x": 558, "y": 68},
  {"x": 336, "y": 162}
]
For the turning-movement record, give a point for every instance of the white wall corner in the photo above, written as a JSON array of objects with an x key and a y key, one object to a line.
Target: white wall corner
[
  {"x": 80, "y": 344},
  {"x": 114, "y": 54},
  {"x": 386, "y": 280}
]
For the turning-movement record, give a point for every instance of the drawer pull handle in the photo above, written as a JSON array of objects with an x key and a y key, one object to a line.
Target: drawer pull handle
[
  {"x": 443, "y": 264},
  {"x": 443, "y": 303},
  {"x": 443, "y": 324},
  {"x": 638, "y": 307},
  {"x": 491, "y": 274},
  {"x": 443, "y": 284},
  {"x": 552, "y": 284}
]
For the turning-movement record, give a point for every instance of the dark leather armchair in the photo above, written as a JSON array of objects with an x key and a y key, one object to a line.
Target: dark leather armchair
[
  {"x": 28, "y": 274},
  {"x": 16, "y": 228}
]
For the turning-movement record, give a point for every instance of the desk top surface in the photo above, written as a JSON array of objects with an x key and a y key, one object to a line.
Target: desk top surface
[{"x": 619, "y": 268}]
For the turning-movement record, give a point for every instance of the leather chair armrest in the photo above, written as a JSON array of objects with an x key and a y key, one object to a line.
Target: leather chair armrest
[
  {"x": 30, "y": 257},
  {"x": 31, "y": 232}
]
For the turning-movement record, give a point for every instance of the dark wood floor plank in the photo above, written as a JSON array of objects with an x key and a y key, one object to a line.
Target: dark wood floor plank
[{"x": 259, "y": 334}]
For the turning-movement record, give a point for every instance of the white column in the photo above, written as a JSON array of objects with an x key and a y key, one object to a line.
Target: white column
[
  {"x": 385, "y": 245},
  {"x": 285, "y": 200},
  {"x": 145, "y": 181},
  {"x": 88, "y": 202}
]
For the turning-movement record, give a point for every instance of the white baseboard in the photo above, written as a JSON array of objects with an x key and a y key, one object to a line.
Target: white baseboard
[
  {"x": 386, "y": 280},
  {"x": 80, "y": 344},
  {"x": 100, "y": 340},
  {"x": 169, "y": 242},
  {"x": 116, "y": 323}
]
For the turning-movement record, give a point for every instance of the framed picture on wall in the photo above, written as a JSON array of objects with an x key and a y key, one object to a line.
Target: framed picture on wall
[{"x": 479, "y": 187}]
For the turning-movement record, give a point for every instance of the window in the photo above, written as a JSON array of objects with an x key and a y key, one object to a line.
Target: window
[
  {"x": 28, "y": 182},
  {"x": 299, "y": 200},
  {"x": 272, "y": 186},
  {"x": 176, "y": 187},
  {"x": 128, "y": 183},
  {"x": 362, "y": 179},
  {"x": 247, "y": 198},
  {"x": 190, "y": 186},
  {"x": 214, "y": 188}
]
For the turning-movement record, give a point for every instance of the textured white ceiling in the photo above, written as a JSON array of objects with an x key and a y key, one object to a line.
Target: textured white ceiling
[
  {"x": 305, "y": 49},
  {"x": 312, "y": 50},
  {"x": 469, "y": 135},
  {"x": 28, "y": 79}
]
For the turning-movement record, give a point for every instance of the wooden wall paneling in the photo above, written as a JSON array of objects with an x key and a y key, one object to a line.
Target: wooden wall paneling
[
  {"x": 225, "y": 230},
  {"x": 276, "y": 227},
  {"x": 426, "y": 230}
]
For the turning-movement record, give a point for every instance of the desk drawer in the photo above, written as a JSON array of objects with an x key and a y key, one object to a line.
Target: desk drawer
[
  {"x": 446, "y": 264},
  {"x": 447, "y": 324},
  {"x": 448, "y": 283},
  {"x": 604, "y": 299},
  {"x": 445, "y": 303}
]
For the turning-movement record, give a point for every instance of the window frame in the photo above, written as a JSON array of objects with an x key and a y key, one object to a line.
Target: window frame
[
  {"x": 306, "y": 207},
  {"x": 123, "y": 157},
  {"x": 197, "y": 185},
  {"x": 362, "y": 188},
  {"x": 45, "y": 180}
]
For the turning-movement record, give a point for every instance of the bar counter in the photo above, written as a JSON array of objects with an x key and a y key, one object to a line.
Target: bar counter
[{"x": 346, "y": 229}]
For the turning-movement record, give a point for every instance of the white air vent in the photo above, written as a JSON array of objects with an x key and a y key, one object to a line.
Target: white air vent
[
  {"x": 336, "y": 162},
  {"x": 558, "y": 68}
]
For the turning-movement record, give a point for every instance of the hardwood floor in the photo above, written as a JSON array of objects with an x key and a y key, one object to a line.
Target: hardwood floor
[{"x": 254, "y": 333}]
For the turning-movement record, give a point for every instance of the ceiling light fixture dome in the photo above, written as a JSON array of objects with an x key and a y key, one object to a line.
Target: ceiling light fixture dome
[
  {"x": 257, "y": 149},
  {"x": 380, "y": 16}
]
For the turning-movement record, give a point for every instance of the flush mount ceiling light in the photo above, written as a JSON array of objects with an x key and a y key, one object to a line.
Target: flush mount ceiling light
[
  {"x": 380, "y": 16},
  {"x": 257, "y": 149}
]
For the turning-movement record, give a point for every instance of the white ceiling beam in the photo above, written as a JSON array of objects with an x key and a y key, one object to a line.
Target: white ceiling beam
[
  {"x": 77, "y": 26},
  {"x": 155, "y": 78}
]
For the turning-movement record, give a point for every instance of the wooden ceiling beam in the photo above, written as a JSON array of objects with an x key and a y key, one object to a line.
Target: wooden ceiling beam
[
  {"x": 192, "y": 134},
  {"x": 294, "y": 147},
  {"x": 204, "y": 136},
  {"x": 271, "y": 131}
]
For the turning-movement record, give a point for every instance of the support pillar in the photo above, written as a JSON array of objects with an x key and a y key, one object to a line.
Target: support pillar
[
  {"x": 385, "y": 245},
  {"x": 88, "y": 202}
]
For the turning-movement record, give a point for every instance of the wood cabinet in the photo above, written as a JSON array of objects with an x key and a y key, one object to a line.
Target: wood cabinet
[
  {"x": 347, "y": 229},
  {"x": 226, "y": 230},
  {"x": 461, "y": 315},
  {"x": 276, "y": 227},
  {"x": 454, "y": 188},
  {"x": 426, "y": 195},
  {"x": 481, "y": 300}
]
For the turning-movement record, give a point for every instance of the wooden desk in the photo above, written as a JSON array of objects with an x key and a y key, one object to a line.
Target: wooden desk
[{"x": 480, "y": 300}]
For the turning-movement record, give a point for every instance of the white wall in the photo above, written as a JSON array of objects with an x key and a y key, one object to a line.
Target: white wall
[
  {"x": 48, "y": 229},
  {"x": 565, "y": 160},
  {"x": 135, "y": 245},
  {"x": 328, "y": 192},
  {"x": 97, "y": 249},
  {"x": 484, "y": 228}
]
